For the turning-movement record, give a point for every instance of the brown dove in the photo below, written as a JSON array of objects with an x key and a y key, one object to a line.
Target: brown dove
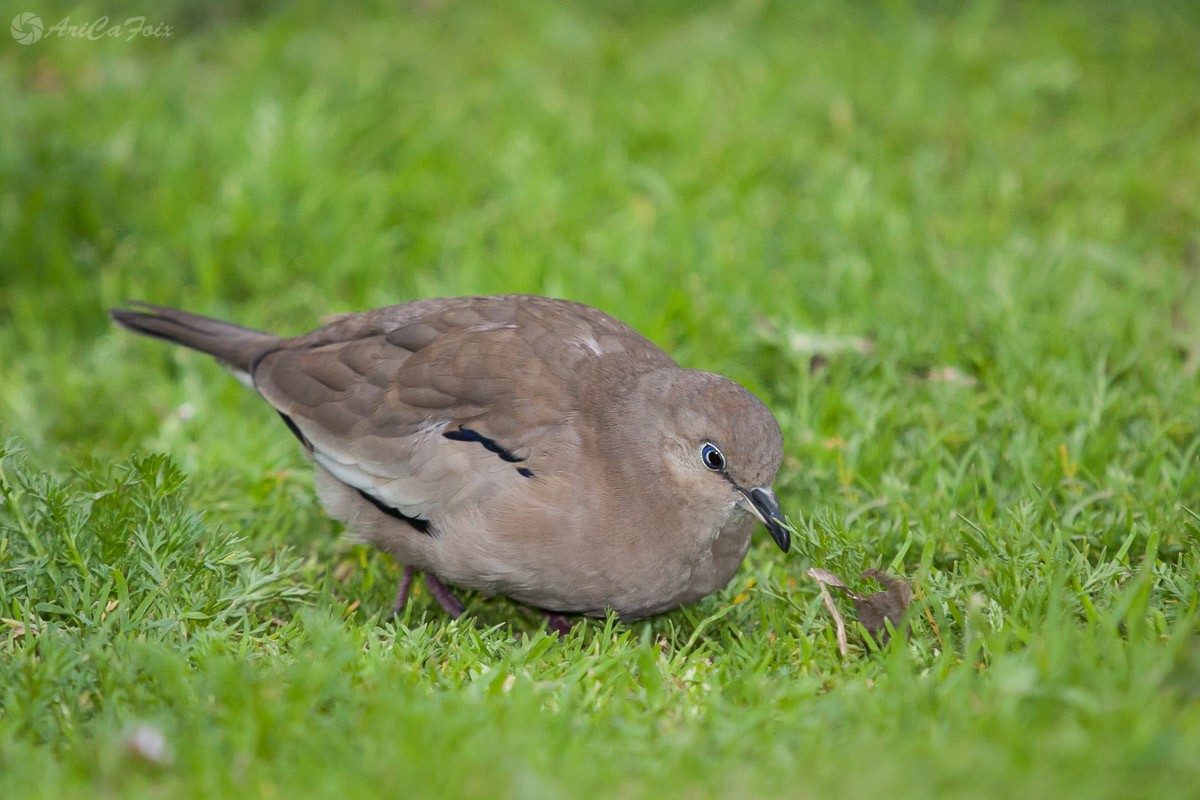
[{"x": 516, "y": 445}]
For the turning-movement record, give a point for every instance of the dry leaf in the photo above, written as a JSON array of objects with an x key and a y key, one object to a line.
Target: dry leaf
[
  {"x": 18, "y": 627},
  {"x": 825, "y": 578},
  {"x": 826, "y": 345},
  {"x": 875, "y": 610},
  {"x": 950, "y": 375}
]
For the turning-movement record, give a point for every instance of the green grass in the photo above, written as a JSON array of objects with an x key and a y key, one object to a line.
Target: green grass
[{"x": 1002, "y": 195}]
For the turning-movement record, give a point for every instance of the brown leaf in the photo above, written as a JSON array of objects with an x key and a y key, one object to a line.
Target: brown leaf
[
  {"x": 875, "y": 610},
  {"x": 825, "y": 578}
]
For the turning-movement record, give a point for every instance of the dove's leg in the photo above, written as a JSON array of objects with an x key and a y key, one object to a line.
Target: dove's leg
[
  {"x": 402, "y": 593},
  {"x": 557, "y": 623},
  {"x": 446, "y": 599}
]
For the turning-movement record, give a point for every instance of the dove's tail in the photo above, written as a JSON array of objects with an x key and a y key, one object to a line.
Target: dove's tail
[{"x": 235, "y": 346}]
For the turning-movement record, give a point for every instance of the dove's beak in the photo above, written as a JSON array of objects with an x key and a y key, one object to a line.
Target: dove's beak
[{"x": 763, "y": 504}]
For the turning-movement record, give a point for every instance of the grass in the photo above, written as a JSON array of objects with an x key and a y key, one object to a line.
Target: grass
[{"x": 954, "y": 249}]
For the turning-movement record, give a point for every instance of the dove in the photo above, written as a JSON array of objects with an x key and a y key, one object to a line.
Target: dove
[{"x": 515, "y": 445}]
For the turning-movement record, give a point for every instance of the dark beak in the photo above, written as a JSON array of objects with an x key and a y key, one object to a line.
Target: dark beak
[{"x": 765, "y": 506}]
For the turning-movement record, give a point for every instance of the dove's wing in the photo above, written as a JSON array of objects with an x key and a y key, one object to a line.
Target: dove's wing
[{"x": 431, "y": 403}]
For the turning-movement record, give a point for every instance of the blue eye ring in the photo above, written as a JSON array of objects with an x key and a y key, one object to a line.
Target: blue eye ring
[{"x": 712, "y": 457}]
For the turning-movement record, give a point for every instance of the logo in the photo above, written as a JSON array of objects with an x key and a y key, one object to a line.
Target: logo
[{"x": 26, "y": 28}]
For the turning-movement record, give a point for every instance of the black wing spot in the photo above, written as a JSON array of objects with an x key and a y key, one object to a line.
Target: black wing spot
[
  {"x": 421, "y": 525},
  {"x": 525, "y": 472},
  {"x": 491, "y": 445},
  {"x": 295, "y": 430}
]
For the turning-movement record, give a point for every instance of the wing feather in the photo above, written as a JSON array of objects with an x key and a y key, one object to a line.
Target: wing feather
[{"x": 373, "y": 393}]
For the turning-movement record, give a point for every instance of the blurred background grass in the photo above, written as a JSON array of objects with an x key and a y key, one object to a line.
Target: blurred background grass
[{"x": 981, "y": 219}]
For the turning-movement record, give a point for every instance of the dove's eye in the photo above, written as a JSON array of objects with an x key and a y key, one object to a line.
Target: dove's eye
[{"x": 712, "y": 457}]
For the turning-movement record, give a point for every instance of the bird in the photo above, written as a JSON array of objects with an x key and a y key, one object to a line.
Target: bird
[{"x": 515, "y": 445}]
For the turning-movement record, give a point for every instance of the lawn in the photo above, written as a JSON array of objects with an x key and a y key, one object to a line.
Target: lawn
[{"x": 956, "y": 249}]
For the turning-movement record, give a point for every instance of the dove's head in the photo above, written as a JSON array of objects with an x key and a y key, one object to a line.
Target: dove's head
[{"x": 720, "y": 444}]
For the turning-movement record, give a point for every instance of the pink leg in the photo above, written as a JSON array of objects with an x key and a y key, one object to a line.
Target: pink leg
[
  {"x": 557, "y": 623},
  {"x": 446, "y": 599},
  {"x": 402, "y": 593}
]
